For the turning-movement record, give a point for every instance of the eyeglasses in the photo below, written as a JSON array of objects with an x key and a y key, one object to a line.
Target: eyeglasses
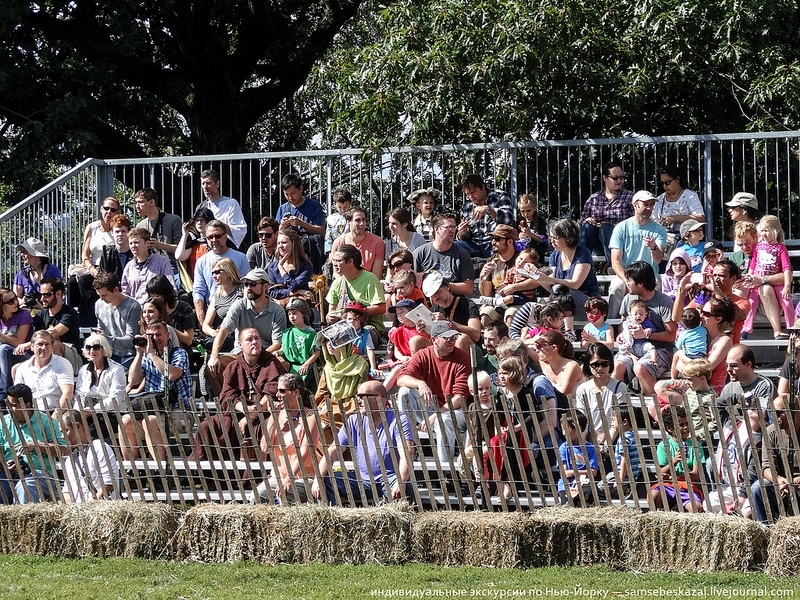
[
  {"x": 95, "y": 347},
  {"x": 250, "y": 284},
  {"x": 360, "y": 396},
  {"x": 216, "y": 271},
  {"x": 215, "y": 236},
  {"x": 10, "y": 301},
  {"x": 600, "y": 364},
  {"x": 110, "y": 209},
  {"x": 667, "y": 182},
  {"x": 616, "y": 177},
  {"x": 47, "y": 294},
  {"x": 265, "y": 236},
  {"x": 396, "y": 265}
]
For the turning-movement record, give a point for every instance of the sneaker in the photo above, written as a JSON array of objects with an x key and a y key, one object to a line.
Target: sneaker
[
  {"x": 486, "y": 301},
  {"x": 570, "y": 335},
  {"x": 498, "y": 302}
]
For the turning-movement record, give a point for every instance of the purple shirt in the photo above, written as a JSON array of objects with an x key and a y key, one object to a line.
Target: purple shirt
[
  {"x": 357, "y": 435},
  {"x": 21, "y": 317},
  {"x": 603, "y": 211},
  {"x": 27, "y": 285},
  {"x": 136, "y": 275}
]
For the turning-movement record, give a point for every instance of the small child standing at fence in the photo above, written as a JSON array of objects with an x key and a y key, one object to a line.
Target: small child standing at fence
[
  {"x": 580, "y": 462},
  {"x": 675, "y": 454},
  {"x": 770, "y": 268}
]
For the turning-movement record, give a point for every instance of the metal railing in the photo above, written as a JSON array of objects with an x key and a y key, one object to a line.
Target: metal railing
[{"x": 561, "y": 173}]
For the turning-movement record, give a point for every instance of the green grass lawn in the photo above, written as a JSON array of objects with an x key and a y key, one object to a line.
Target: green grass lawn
[{"x": 28, "y": 577}]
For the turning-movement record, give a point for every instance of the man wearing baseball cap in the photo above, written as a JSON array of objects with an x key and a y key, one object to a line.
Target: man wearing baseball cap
[
  {"x": 462, "y": 312},
  {"x": 634, "y": 239},
  {"x": 257, "y": 310},
  {"x": 505, "y": 253},
  {"x": 433, "y": 389}
]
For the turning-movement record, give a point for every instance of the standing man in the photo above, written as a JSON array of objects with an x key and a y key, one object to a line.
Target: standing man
[
  {"x": 354, "y": 284},
  {"x": 370, "y": 245},
  {"x": 604, "y": 210},
  {"x": 433, "y": 389},
  {"x": 117, "y": 317},
  {"x": 205, "y": 287},
  {"x": 49, "y": 377},
  {"x": 223, "y": 208},
  {"x": 306, "y": 215},
  {"x": 640, "y": 280},
  {"x": 452, "y": 261},
  {"x": 636, "y": 239},
  {"x": 260, "y": 254},
  {"x": 143, "y": 267},
  {"x": 256, "y": 310},
  {"x": 165, "y": 229},
  {"x": 31, "y": 443},
  {"x": 480, "y": 214},
  {"x": 382, "y": 444}
]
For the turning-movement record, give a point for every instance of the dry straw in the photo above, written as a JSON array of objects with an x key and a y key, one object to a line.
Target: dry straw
[
  {"x": 298, "y": 534},
  {"x": 695, "y": 543},
  {"x": 30, "y": 528},
  {"x": 784, "y": 547}
]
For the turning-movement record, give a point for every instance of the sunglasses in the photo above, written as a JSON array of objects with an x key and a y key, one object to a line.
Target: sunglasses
[
  {"x": 250, "y": 284},
  {"x": 95, "y": 347},
  {"x": 283, "y": 390},
  {"x": 217, "y": 271},
  {"x": 111, "y": 209},
  {"x": 215, "y": 236},
  {"x": 667, "y": 182},
  {"x": 47, "y": 294},
  {"x": 265, "y": 236},
  {"x": 616, "y": 177},
  {"x": 10, "y": 301},
  {"x": 600, "y": 364},
  {"x": 396, "y": 265},
  {"x": 706, "y": 313}
]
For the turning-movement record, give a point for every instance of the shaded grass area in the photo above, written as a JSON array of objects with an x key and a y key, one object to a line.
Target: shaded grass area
[{"x": 27, "y": 577}]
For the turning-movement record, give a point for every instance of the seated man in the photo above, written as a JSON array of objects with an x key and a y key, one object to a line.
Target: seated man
[
  {"x": 293, "y": 442},
  {"x": 248, "y": 384},
  {"x": 434, "y": 389},
  {"x": 382, "y": 444},
  {"x": 31, "y": 442},
  {"x": 117, "y": 317},
  {"x": 462, "y": 312},
  {"x": 780, "y": 464},
  {"x": 481, "y": 213},
  {"x": 91, "y": 471},
  {"x": 49, "y": 376},
  {"x": 148, "y": 367}
]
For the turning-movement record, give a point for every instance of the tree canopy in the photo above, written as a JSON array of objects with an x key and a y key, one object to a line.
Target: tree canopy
[{"x": 126, "y": 78}]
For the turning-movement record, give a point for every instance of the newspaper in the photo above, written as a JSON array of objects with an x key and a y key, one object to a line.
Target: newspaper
[{"x": 340, "y": 334}]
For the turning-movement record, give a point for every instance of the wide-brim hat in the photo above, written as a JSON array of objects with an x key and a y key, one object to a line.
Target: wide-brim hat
[
  {"x": 34, "y": 247},
  {"x": 415, "y": 195}
]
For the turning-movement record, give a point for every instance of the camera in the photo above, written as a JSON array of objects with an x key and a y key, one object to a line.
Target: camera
[
  {"x": 24, "y": 467},
  {"x": 139, "y": 341},
  {"x": 31, "y": 300}
]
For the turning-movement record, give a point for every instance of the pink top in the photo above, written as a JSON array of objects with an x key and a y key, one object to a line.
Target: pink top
[
  {"x": 769, "y": 259},
  {"x": 371, "y": 247}
]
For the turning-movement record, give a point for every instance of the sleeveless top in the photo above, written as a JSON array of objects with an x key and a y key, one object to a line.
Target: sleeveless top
[
  {"x": 97, "y": 240},
  {"x": 223, "y": 302}
]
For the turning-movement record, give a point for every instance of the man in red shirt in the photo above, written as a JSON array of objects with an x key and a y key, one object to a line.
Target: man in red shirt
[{"x": 434, "y": 390}]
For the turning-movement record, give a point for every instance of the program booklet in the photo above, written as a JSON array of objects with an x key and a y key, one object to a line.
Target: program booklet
[
  {"x": 421, "y": 314},
  {"x": 340, "y": 334}
]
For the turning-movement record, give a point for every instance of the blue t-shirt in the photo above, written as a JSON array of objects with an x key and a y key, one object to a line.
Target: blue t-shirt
[
  {"x": 695, "y": 254},
  {"x": 694, "y": 342},
  {"x": 628, "y": 236},
  {"x": 310, "y": 212},
  {"x": 568, "y": 451}
]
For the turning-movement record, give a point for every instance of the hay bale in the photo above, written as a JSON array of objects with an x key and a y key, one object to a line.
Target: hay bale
[
  {"x": 475, "y": 539},
  {"x": 30, "y": 528},
  {"x": 117, "y": 528},
  {"x": 695, "y": 543},
  {"x": 295, "y": 534},
  {"x": 783, "y": 553},
  {"x": 565, "y": 536}
]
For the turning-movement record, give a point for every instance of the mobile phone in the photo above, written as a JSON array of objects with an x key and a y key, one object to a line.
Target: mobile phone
[{"x": 697, "y": 278}]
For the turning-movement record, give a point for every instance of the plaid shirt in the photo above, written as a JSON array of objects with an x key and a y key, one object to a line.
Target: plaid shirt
[
  {"x": 480, "y": 230},
  {"x": 603, "y": 211},
  {"x": 154, "y": 379}
]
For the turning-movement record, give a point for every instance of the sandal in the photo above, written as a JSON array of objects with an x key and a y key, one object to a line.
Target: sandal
[{"x": 781, "y": 336}]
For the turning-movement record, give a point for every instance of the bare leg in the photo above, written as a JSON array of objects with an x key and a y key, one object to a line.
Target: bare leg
[
  {"x": 128, "y": 438},
  {"x": 154, "y": 438},
  {"x": 646, "y": 380},
  {"x": 771, "y": 308}
]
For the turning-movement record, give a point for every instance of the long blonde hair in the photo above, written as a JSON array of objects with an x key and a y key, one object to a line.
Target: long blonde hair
[
  {"x": 773, "y": 223},
  {"x": 227, "y": 265}
]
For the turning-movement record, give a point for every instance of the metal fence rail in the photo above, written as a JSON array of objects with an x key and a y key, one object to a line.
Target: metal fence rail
[{"x": 561, "y": 173}]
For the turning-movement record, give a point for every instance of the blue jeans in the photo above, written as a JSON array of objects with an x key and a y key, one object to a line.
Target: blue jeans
[
  {"x": 597, "y": 239},
  {"x": 765, "y": 490},
  {"x": 7, "y": 360},
  {"x": 474, "y": 249},
  {"x": 363, "y": 492},
  {"x": 34, "y": 487}
]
